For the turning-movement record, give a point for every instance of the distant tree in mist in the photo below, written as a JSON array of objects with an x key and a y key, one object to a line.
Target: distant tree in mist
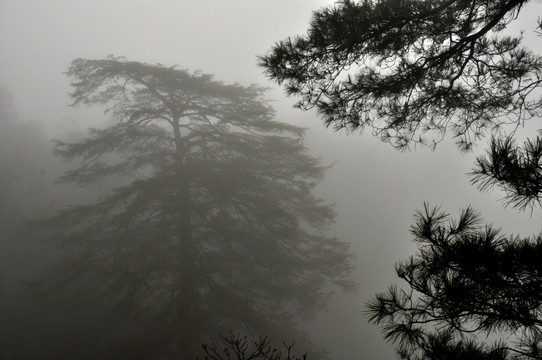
[
  {"x": 215, "y": 228},
  {"x": 8, "y": 113},
  {"x": 22, "y": 175},
  {"x": 25, "y": 179}
]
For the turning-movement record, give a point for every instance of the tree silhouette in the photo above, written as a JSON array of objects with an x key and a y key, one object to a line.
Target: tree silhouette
[
  {"x": 466, "y": 280},
  {"x": 26, "y": 173},
  {"x": 413, "y": 71},
  {"x": 237, "y": 347},
  {"x": 515, "y": 170},
  {"x": 214, "y": 226}
]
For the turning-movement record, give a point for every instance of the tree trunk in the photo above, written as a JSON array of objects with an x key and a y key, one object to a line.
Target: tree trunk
[{"x": 189, "y": 336}]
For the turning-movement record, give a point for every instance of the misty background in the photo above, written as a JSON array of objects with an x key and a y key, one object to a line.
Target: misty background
[{"x": 375, "y": 189}]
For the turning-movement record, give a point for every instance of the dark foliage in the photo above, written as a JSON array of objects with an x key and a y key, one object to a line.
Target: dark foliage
[
  {"x": 415, "y": 70},
  {"x": 411, "y": 70},
  {"x": 237, "y": 347},
  {"x": 214, "y": 226},
  {"x": 467, "y": 281},
  {"x": 517, "y": 171}
]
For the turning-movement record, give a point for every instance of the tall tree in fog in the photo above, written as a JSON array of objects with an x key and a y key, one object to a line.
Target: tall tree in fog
[
  {"x": 413, "y": 71},
  {"x": 214, "y": 228}
]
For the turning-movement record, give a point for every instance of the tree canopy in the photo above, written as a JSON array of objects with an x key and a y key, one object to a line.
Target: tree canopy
[
  {"x": 213, "y": 225},
  {"x": 467, "y": 281},
  {"x": 412, "y": 70}
]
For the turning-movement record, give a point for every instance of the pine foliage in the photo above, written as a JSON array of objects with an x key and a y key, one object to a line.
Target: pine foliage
[
  {"x": 411, "y": 70},
  {"x": 467, "y": 281}
]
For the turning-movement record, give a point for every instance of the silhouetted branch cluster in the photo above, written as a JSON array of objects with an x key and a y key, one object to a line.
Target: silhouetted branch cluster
[
  {"x": 517, "y": 171},
  {"x": 411, "y": 70},
  {"x": 466, "y": 279},
  {"x": 237, "y": 347}
]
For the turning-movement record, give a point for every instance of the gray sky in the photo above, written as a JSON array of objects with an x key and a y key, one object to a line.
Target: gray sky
[{"x": 375, "y": 188}]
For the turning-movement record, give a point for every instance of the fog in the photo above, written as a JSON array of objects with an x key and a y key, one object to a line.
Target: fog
[{"x": 373, "y": 189}]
